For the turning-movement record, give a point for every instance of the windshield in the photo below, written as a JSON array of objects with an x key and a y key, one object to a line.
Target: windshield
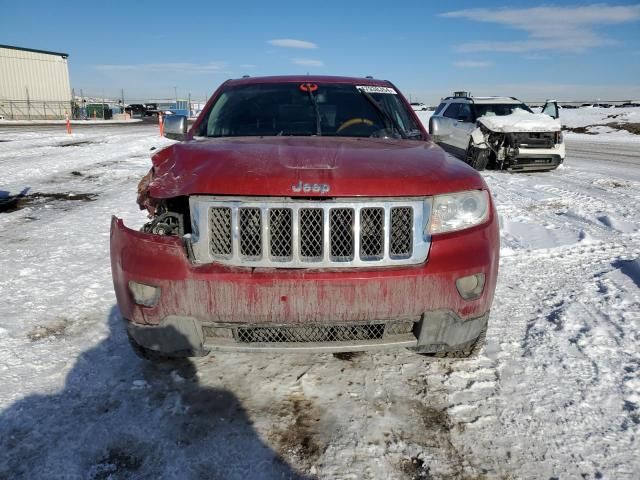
[
  {"x": 498, "y": 109},
  {"x": 297, "y": 109}
]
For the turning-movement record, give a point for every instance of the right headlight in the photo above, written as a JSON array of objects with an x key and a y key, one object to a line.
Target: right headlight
[{"x": 457, "y": 211}]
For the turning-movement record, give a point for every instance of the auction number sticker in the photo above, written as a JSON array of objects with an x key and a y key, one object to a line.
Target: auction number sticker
[{"x": 374, "y": 89}]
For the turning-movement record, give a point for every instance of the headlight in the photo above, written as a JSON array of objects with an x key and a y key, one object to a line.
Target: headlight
[{"x": 458, "y": 211}]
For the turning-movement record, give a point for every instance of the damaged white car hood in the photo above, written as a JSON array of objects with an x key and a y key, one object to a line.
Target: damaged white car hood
[{"x": 521, "y": 121}]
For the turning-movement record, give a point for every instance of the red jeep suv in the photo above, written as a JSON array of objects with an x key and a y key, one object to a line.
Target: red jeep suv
[{"x": 306, "y": 213}]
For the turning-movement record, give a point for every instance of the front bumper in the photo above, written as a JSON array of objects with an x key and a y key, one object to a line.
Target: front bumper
[
  {"x": 434, "y": 332},
  {"x": 196, "y": 300},
  {"x": 531, "y": 159}
]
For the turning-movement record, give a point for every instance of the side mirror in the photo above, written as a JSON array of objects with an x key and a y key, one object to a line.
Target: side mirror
[
  {"x": 435, "y": 129},
  {"x": 175, "y": 127},
  {"x": 551, "y": 108}
]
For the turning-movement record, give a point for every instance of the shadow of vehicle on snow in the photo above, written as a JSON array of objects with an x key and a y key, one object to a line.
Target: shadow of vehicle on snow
[{"x": 120, "y": 417}]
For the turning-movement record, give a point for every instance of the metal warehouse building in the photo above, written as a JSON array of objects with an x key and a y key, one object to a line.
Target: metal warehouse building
[{"x": 34, "y": 84}]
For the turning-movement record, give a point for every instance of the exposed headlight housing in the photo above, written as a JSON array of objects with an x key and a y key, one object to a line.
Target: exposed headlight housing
[{"x": 457, "y": 211}]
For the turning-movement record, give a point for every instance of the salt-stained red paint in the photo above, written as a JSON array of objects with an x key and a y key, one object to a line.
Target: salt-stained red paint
[
  {"x": 215, "y": 293},
  {"x": 270, "y": 166}
]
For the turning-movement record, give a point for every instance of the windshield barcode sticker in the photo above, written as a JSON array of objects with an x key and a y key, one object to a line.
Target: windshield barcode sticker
[{"x": 373, "y": 89}]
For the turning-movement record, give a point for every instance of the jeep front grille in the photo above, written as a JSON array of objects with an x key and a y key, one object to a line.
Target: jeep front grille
[
  {"x": 290, "y": 233},
  {"x": 531, "y": 139}
]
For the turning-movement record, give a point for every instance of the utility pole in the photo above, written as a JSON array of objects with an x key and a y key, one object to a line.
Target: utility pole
[
  {"x": 175, "y": 93},
  {"x": 122, "y": 93},
  {"x": 28, "y": 104}
]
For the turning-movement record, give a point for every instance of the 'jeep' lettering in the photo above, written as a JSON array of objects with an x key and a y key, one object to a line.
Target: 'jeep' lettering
[{"x": 320, "y": 188}]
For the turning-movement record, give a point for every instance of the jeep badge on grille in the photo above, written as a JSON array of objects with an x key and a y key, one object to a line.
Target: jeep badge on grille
[{"x": 311, "y": 187}]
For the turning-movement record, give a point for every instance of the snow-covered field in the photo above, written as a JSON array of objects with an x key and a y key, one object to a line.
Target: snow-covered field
[{"x": 555, "y": 393}]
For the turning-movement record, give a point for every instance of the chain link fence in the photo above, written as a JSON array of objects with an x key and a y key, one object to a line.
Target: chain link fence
[
  {"x": 99, "y": 107},
  {"x": 35, "y": 110}
]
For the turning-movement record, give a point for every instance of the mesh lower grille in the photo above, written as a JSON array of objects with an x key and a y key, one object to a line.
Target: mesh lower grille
[
  {"x": 371, "y": 233},
  {"x": 311, "y": 234},
  {"x": 250, "y": 232},
  {"x": 322, "y": 333},
  {"x": 341, "y": 240},
  {"x": 220, "y": 228},
  {"x": 401, "y": 241},
  {"x": 280, "y": 234}
]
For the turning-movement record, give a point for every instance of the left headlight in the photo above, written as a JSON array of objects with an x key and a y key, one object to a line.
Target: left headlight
[{"x": 458, "y": 211}]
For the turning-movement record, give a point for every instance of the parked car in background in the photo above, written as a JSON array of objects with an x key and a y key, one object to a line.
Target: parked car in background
[
  {"x": 150, "y": 109},
  {"x": 306, "y": 213},
  {"x": 135, "y": 109},
  {"x": 416, "y": 106},
  {"x": 499, "y": 132}
]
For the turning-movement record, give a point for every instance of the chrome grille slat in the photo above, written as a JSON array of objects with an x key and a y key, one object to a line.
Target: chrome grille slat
[
  {"x": 291, "y": 233},
  {"x": 341, "y": 234},
  {"x": 371, "y": 233},
  {"x": 220, "y": 231},
  {"x": 311, "y": 234},
  {"x": 401, "y": 235},
  {"x": 280, "y": 234},
  {"x": 250, "y": 227}
]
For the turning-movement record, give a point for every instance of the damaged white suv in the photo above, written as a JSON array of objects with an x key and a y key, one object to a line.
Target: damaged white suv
[{"x": 498, "y": 132}]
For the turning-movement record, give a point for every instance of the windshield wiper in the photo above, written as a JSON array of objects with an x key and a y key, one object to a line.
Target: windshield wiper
[
  {"x": 317, "y": 110},
  {"x": 383, "y": 112}
]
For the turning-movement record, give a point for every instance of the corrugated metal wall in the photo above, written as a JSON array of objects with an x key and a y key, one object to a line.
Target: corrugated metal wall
[{"x": 45, "y": 76}]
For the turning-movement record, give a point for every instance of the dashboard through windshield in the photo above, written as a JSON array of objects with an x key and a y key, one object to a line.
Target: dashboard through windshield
[{"x": 309, "y": 109}]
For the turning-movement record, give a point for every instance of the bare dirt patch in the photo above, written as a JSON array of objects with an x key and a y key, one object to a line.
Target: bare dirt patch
[
  {"x": 580, "y": 130},
  {"x": 56, "y": 329},
  {"x": 298, "y": 439},
  {"x": 347, "y": 356},
  {"x": 76, "y": 144},
  {"x": 12, "y": 203},
  {"x": 633, "y": 128},
  {"x": 629, "y": 127},
  {"x": 414, "y": 468}
]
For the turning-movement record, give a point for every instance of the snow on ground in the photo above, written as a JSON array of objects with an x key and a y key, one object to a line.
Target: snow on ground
[
  {"x": 555, "y": 393},
  {"x": 582, "y": 117}
]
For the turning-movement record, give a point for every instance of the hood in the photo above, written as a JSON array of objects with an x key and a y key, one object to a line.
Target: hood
[
  {"x": 278, "y": 166},
  {"x": 521, "y": 121}
]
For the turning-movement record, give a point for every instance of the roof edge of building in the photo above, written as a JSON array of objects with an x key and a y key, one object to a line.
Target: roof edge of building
[{"x": 34, "y": 50}]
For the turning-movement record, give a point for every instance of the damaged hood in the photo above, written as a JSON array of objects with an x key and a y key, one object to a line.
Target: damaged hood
[
  {"x": 521, "y": 121},
  {"x": 282, "y": 166}
]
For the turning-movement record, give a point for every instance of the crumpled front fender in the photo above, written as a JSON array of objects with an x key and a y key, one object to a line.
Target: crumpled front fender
[{"x": 478, "y": 139}]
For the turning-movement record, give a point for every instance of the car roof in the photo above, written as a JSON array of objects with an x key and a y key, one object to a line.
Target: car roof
[
  {"x": 481, "y": 100},
  {"x": 495, "y": 100},
  {"x": 310, "y": 79}
]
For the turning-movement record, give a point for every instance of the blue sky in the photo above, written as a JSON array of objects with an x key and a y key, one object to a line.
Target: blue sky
[{"x": 579, "y": 50}]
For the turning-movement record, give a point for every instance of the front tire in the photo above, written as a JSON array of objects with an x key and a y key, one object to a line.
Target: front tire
[{"x": 477, "y": 157}]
